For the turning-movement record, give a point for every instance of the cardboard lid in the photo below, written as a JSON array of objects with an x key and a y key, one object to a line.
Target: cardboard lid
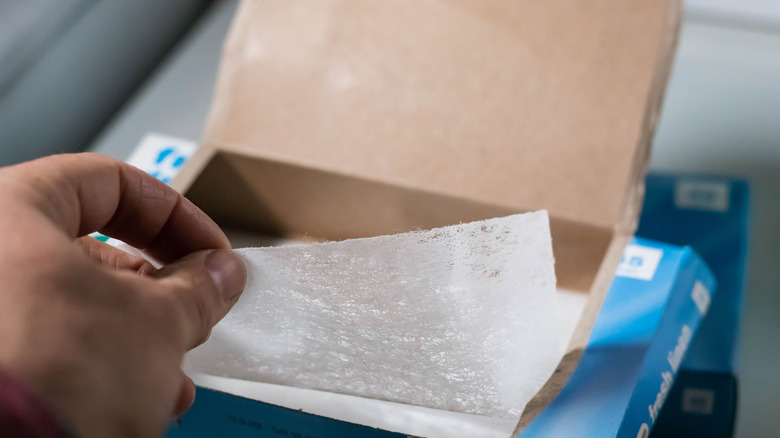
[{"x": 524, "y": 104}]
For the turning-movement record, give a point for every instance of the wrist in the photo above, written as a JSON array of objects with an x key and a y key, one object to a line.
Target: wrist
[{"x": 23, "y": 414}]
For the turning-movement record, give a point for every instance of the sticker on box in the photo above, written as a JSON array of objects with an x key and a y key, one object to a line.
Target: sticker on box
[
  {"x": 698, "y": 401},
  {"x": 701, "y": 296},
  {"x": 702, "y": 195},
  {"x": 162, "y": 156},
  {"x": 639, "y": 262}
]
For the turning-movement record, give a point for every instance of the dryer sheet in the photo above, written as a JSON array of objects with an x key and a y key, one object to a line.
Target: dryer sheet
[{"x": 460, "y": 318}]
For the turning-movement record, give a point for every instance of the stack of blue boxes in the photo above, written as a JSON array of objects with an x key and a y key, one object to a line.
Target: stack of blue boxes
[{"x": 710, "y": 214}]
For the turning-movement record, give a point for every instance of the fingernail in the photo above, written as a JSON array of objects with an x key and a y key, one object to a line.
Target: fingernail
[{"x": 227, "y": 271}]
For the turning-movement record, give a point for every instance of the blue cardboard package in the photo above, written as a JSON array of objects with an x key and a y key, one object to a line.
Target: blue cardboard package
[
  {"x": 711, "y": 214},
  {"x": 635, "y": 350}
]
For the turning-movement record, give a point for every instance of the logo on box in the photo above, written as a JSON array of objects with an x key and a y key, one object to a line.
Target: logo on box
[
  {"x": 162, "y": 156},
  {"x": 639, "y": 262}
]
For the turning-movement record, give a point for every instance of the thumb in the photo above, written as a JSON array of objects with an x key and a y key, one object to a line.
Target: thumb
[{"x": 205, "y": 285}]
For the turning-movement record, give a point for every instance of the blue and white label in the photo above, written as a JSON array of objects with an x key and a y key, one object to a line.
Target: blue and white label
[
  {"x": 702, "y": 195},
  {"x": 162, "y": 156},
  {"x": 701, "y": 296},
  {"x": 639, "y": 262}
]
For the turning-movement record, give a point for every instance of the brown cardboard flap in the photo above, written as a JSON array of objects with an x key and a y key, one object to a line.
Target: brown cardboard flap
[{"x": 525, "y": 105}]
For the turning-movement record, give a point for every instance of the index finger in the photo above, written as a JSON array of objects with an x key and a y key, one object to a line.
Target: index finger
[{"x": 82, "y": 193}]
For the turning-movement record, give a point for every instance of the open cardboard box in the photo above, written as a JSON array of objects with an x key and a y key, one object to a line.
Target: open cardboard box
[{"x": 346, "y": 119}]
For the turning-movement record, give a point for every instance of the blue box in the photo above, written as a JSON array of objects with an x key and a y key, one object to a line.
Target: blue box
[
  {"x": 635, "y": 350},
  {"x": 711, "y": 214}
]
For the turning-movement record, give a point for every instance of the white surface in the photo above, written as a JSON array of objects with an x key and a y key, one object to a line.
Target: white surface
[
  {"x": 721, "y": 115},
  {"x": 459, "y": 318}
]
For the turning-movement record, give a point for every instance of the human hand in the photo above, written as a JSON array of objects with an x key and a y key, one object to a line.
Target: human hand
[{"x": 100, "y": 335}]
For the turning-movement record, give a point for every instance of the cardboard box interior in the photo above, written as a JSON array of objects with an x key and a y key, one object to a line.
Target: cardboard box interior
[{"x": 349, "y": 119}]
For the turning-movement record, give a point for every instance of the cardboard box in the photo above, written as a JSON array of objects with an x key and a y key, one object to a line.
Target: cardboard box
[
  {"x": 351, "y": 119},
  {"x": 649, "y": 301},
  {"x": 711, "y": 214},
  {"x": 654, "y": 307}
]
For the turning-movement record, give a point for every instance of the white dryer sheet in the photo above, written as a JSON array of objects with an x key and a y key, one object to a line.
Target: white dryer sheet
[{"x": 460, "y": 318}]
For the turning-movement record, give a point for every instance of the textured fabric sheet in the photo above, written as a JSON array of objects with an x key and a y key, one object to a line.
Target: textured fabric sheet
[{"x": 459, "y": 318}]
